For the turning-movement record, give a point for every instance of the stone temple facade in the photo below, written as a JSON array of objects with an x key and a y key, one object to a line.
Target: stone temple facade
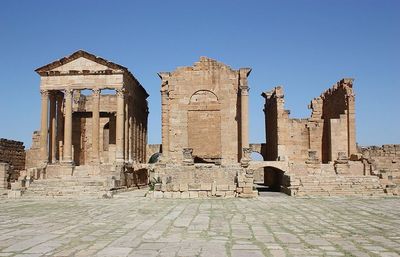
[
  {"x": 93, "y": 123},
  {"x": 205, "y": 108},
  {"x": 204, "y": 129}
]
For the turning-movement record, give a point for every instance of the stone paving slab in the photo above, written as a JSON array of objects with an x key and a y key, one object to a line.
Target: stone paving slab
[{"x": 128, "y": 225}]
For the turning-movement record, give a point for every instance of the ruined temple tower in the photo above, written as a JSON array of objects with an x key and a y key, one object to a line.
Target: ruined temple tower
[
  {"x": 205, "y": 108},
  {"x": 204, "y": 132},
  {"x": 327, "y": 135}
]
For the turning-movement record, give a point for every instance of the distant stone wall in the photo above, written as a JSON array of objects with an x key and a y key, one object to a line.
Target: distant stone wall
[
  {"x": 384, "y": 161},
  {"x": 13, "y": 153},
  {"x": 152, "y": 149}
]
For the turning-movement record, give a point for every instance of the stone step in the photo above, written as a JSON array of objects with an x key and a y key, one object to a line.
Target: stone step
[{"x": 67, "y": 187}]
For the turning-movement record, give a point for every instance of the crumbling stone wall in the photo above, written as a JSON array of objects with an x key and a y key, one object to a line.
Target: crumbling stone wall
[
  {"x": 338, "y": 113},
  {"x": 328, "y": 133},
  {"x": 13, "y": 153},
  {"x": 383, "y": 161},
  {"x": 32, "y": 159}
]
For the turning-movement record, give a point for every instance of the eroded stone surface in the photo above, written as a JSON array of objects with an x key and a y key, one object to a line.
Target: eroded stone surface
[{"x": 137, "y": 226}]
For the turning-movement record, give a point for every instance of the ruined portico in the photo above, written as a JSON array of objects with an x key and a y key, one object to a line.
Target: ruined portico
[{"x": 93, "y": 119}]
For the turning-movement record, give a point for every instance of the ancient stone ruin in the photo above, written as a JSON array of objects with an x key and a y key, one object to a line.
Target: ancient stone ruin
[
  {"x": 204, "y": 132},
  {"x": 93, "y": 138},
  {"x": 320, "y": 152},
  {"x": 88, "y": 137},
  {"x": 12, "y": 161}
]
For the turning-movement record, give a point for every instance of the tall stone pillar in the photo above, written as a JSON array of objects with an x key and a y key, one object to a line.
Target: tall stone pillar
[
  {"x": 130, "y": 150},
  {"x": 68, "y": 127},
  {"x": 95, "y": 125},
  {"x": 126, "y": 130},
  {"x": 44, "y": 125},
  {"x": 351, "y": 119},
  {"x": 164, "y": 121},
  {"x": 52, "y": 129},
  {"x": 134, "y": 140},
  {"x": 141, "y": 141},
  {"x": 60, "y": 124},
  {"x": 244, "y": 111},
  {"x": 119, "y": 151}
]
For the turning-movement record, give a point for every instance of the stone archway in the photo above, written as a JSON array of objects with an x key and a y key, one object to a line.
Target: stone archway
[
  {"x": 204, "y": 126},
  {"x": 273, "y": 174},
  {"x": 273, "y": 178},
  {"x": 258, "y": 173}
]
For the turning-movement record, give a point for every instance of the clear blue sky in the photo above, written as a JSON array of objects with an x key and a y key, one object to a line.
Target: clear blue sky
[{"x": 304, "y": 45}]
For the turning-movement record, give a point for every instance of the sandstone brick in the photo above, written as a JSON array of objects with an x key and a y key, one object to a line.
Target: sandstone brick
[
  {"x": 222, "y": 187},
  {"x": 194, "y": 186},
  {"x": 183, "y": 187},
  {"x": 193, "y": 194},
  {"x": 185, "y": 194},
  {"x": 203, "y": 194},
  {"x": 205, "y": 186}
]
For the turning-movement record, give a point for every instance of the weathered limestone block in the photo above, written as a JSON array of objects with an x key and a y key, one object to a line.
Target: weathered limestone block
[{"x": 4, "y": 175}]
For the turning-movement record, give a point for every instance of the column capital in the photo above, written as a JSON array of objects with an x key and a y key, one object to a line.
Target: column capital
[
  {"x": 68, "y": 92},
  {"x": 44, "y": 92},
  {"x": 96, "y": 92},
  {"x": 120, "y": 92},
  {"x": 244, "y": 90}
]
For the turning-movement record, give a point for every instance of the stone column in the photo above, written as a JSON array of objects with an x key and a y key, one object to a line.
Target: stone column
[
  {"x": 140, "y": 142},
  {"x": 119, "y": 151},
  {"x": 60, "y": 124},
  {"x": 44, "y": 125},
  {"x": 130, "y": 150},
  {"x": 95, "y": 125},
  {"x": 145, "y": 142},
  {"x": 52, "y": 129},
  {"x": 126, "y": 130},
  {"x": 134, "y": 140},
  {"x": 67, "y": 149},
  {"x": 351, "y": 122},
  {"x": 142, "y": 147},
  {"x": 164, "y": 122},
  {"x": 244, "y": 114}
]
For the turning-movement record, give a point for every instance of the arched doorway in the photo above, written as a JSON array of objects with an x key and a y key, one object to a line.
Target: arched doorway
[
  {"x": 258, "y": 173},
  {"x": 273, "y": 179}
]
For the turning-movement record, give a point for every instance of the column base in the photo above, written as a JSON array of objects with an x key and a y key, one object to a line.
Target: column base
[{"x": 67, "y": 162}]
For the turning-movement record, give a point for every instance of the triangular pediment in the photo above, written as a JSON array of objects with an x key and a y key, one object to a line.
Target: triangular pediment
[{"x": 80, "y": 61}]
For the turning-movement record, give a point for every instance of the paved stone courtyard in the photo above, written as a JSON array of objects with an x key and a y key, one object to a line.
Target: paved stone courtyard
[{"x": 128, "y": 225}]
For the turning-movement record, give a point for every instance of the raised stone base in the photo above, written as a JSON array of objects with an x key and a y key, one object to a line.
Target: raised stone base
[
  {"x": 328, "y": 185},
  {"x": 76, "y": 181},
  {"x": 200, "y": 181}
]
